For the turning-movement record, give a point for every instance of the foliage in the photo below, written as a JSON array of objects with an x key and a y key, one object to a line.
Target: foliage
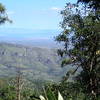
[
  {"x": 3, "y": 15},
  {"x": 95, "y": 4},
  {"x": 49, "y": 95},
  {"x": 81, "y": 38},
  {"x": 7, "y": 92},
  {"x": 69, "y": 90}
]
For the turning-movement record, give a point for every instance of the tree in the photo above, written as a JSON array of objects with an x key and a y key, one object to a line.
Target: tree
[
  {"x": 3, "y": 15},
  {"x": 7, "y": 92},
  {"x": 19, "y": 82},
  {"x": 95, "y": 4},
  {"x": 81, "y": 39}
]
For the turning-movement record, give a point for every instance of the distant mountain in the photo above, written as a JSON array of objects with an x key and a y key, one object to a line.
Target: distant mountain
[
  {"x": 34, "y": 62},
  {"x": 43, "y": 38}
]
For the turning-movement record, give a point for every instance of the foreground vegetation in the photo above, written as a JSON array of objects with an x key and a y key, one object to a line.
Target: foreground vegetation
[{"x": 50, "y": 91}]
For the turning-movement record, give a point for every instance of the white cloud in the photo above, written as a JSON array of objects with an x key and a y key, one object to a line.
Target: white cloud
[
  {"x": 10, "y": 12},
  {"x": 56, "y": 8}
]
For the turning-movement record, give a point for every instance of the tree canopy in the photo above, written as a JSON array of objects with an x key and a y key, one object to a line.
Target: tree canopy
[
  {"x": 92, "y": 3},
  {"x": 3, "y": 15},
  {"x": 81, "y": 39}
]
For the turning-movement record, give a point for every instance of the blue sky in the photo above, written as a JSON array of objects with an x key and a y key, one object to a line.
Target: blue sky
[{"x": 34, "y": 14}]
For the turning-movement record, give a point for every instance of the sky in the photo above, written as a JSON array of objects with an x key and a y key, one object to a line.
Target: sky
[{"x": 34, "y": 14}]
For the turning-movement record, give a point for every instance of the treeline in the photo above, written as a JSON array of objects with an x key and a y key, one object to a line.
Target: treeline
[{"x": 69, "y": 91}]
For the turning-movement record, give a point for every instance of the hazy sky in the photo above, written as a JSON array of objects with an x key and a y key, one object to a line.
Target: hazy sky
[{"x": 34, "y": 14}]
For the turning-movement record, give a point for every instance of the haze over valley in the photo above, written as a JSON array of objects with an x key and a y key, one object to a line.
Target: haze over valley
[{"x": 36, "y": 38}]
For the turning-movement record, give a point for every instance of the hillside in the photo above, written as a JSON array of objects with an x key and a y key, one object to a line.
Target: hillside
[{"x": 34, "y": 62}]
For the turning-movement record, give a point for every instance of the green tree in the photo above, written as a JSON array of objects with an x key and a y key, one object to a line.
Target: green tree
[
  {"x": 81, "y": 39},
  {"x": 7, "y": 92},
  {"x": 3, "y": 15},
  {"x": 95, "y": 4}
]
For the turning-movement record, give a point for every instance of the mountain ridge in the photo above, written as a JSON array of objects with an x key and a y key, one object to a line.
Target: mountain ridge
[{"x": 34, "y": 62}]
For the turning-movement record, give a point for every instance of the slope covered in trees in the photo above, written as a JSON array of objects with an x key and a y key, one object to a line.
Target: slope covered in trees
[{"x": 34, "y": 62}]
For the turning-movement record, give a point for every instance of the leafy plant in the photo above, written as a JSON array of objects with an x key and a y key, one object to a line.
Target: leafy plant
[{"x": 50, "y": 96}]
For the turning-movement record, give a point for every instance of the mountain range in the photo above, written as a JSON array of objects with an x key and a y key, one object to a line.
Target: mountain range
[
  {"x": 34, "y": 62},
  {"x": 40, "y": 37}
]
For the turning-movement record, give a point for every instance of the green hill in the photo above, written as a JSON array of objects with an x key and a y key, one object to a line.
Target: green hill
[{"x": 34, "y": 62}]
